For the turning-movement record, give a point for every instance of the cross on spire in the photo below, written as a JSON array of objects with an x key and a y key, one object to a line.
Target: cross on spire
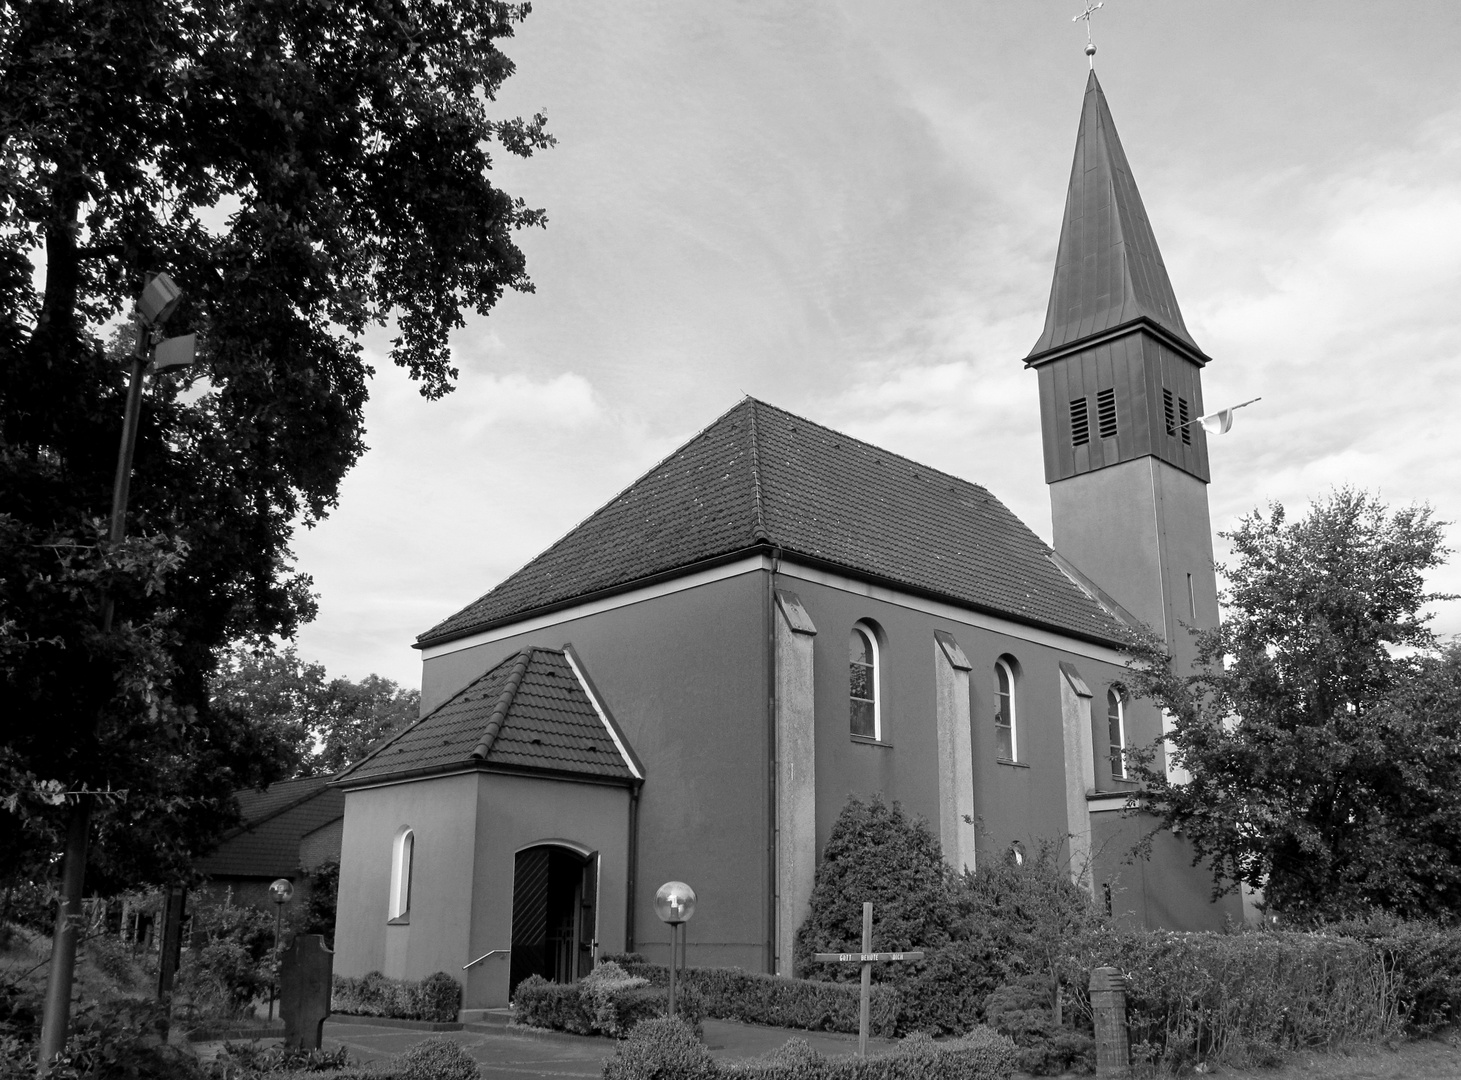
[{"x": 1086, "y": 15}]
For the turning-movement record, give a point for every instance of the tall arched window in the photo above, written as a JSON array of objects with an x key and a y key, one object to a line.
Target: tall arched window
[
  {"x": 865, "y": 682},
  {"x": 1006, "y": 730},
  {"x": 401, "y": 852},
  {"x": 1116, "y": 725}
]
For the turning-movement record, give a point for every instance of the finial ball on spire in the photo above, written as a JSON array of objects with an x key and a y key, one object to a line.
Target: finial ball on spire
[{"x": 1090, "y": 50}]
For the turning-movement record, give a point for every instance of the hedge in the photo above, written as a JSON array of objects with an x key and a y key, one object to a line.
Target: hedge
[
  {"x": 663, "y": 1049},
  {"x": 755, "y": 998},
  {"x": 607, "y": 1002},
  {"x": 437, "y": 997}
]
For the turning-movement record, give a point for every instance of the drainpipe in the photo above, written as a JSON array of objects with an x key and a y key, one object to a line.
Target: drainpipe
[
  {"x": 772, "y": 764},
  {"x": 631, "y": 875}
]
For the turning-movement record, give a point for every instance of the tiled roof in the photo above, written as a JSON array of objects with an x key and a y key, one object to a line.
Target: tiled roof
[
  {"x": 266, "y": 844},
  {"x": 1108, "y": 270},
  {"x": 532, "y": 712},
  {"x": 762, "y": 477}
]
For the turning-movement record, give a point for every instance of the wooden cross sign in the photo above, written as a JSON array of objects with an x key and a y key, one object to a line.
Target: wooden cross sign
[{"x": 866, "y": 959}]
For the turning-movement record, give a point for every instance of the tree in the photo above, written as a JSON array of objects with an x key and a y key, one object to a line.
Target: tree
[
  {"x": 1323, "y": 741},
  {"x": 325, "y": 723},
  {"x": 304, "y": 171}
]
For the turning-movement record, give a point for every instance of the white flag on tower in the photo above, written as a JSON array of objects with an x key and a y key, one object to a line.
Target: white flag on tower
[{"x": 1220, "y": 422}]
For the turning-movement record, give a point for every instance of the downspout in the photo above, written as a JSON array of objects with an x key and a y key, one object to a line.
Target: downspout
[
  {"x": 773, "y": 830},
  {"x": 631, "y": 875}
]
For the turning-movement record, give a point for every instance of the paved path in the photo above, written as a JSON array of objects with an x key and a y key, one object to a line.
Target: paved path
[{"x": 506, "y": 1054}]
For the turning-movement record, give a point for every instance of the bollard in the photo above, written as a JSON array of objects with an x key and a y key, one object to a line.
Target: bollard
[{"x": 1108, "y": 1003}]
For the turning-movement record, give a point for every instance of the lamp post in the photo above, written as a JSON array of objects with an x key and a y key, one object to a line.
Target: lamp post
[
  {"x": 674, "y": 903},
  {"x": 159, "y": 299},
  {"x": 280, "y": 891}
]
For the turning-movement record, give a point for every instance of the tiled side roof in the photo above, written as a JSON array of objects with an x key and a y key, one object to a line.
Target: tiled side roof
[
  {"x": 530, "y": 712},
  {"x": 1108, "y": 269},
  {"x": 267, "y": 844},
  {"x": 762, "y": 476}
]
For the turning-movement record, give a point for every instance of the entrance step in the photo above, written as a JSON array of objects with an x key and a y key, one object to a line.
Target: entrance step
[{"x": 485, "y": 1017}]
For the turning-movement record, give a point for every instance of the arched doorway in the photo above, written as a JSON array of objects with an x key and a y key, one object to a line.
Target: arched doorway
[{"x": 554, "y": 916}]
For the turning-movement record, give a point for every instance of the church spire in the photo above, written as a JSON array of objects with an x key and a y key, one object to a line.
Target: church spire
[{"x": 1109, "y": 272}]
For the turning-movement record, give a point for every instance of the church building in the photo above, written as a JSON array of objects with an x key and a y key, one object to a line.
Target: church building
[{"x": 691, "y": 683}]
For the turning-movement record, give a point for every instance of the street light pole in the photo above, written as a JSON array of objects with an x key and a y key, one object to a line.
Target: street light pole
[{"x": 157, "y": 302}]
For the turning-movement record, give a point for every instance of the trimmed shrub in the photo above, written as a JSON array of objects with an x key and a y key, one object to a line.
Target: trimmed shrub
[
  {"x": 1022, "y": 1012},
  {"x": 980, "y": 1055},
  {"x": 661, "y": 1049},
  {"x": 755, "y": 998},
  {"x": 1251, "y": 997},
  {"x": 436, "y": 1058},
  {"x": 612, "y": 1006},
  {"x": 1424, "y": 960},
  {"x": 438, "y": 997}
]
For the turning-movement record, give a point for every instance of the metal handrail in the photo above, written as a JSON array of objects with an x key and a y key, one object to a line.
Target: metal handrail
[{"x": 484, "y": 956}]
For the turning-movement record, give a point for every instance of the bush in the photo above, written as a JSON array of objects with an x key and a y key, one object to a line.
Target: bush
[
  {"x": 252, "y": 1058},
  {"x": 1251, "y": 997},
  {"x": 436, "y": 1058},
  {"x": 1022, "y": 1011},
  {"x": 661, "y": 1049},
  {"x": 755, "y": 998},
  {"x": 117, "y": 1040},
  {"x": 876, "y": 853},
  {"x": 612, "y": 1005},
  {"x": 438, "y": 997},
  {"x": 980, "y": 1055},
  {"x": 232, "y": 963},
  {"x": 1424, "y": 960}
]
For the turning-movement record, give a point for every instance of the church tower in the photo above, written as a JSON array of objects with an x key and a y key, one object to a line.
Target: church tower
[{"x": 1120, "y": 381}]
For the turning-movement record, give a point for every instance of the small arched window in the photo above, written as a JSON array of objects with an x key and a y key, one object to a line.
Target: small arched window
[
  {"x": 1116, "y": 726},
  {"x": 1006, "y": 728},
  {"x": 401, "y": 853},
  {"x": 865, "y": 682}
]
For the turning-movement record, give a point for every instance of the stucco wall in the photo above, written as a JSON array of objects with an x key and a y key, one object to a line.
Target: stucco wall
[
  {"x": 443, "y": 814},
  {"x": 685, "y": 676},
  {"x": 518, "y": 812}
]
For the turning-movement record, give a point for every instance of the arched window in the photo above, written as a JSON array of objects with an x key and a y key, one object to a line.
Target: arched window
[
  {"x": 1006, "y": 730},
  {"x": 401, "y": 852},
  {"x": 1116, "y": 725},
  {"x": 865, "y": 682}
]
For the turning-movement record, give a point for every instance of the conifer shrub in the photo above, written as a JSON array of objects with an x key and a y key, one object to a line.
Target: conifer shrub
[
  {"x": 876, "y": 853},
  {"x": 661, "y": 1049}
]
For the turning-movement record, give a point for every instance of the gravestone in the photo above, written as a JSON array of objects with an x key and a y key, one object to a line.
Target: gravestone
[
  {"x": 304, "y": 990},
  {"x": 1108, "y": 1003}
]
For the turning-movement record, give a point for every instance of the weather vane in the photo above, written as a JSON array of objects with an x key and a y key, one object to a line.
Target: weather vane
[{"x": 1090, "y": 45}]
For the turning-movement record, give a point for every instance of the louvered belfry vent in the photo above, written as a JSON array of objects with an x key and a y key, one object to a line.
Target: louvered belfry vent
[
  {"x": 1106, "y": 412},
  {"x": 1184, "y": 416},
  {"x": 1080, "y": 422},
  {"x": 1169, "y": 408}
]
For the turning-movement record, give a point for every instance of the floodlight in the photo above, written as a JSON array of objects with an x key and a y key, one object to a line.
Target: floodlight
[{"x": 158, "y": 300}]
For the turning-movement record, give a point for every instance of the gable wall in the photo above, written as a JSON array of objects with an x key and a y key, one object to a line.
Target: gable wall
[{"x": 685, "y": 677}]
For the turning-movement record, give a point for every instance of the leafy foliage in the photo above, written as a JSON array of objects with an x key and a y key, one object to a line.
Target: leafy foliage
[
  {"x": 326, "y": 723},
  {"x": 437, "y": 1058},
  {"x": 1325, "y": 756},
  {"x": 304, "y": 171},
  {"x": 437, "y": 997},
  {"x": 663, "y": 1049}
]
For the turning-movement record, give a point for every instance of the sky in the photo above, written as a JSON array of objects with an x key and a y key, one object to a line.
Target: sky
[{"x": 850, "y": 210}]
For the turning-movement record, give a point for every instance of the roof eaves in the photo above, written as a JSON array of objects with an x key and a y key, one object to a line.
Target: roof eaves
[
  {"x": 735, "y": 555},
  {"x": 458, "y": 768}
]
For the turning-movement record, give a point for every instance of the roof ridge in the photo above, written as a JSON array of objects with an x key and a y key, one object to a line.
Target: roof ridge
[
  {"x": 504, "y": 702},
  {"x": 874, "y": 446},
  {"x": 568, "y": 535},
  {"x": 758, "y": 525}
]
